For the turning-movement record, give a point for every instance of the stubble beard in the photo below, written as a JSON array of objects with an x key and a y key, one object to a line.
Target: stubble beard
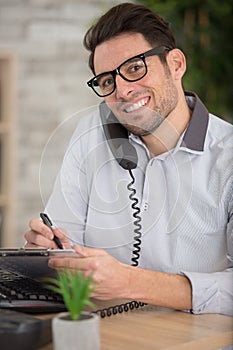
[{"x": 167, "y": 102}]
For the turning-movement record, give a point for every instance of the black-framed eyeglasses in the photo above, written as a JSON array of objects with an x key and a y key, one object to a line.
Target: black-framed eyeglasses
[{"x": 133, "y": 69}]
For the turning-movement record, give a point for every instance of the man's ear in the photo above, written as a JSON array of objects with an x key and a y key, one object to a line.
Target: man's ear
[{"x": 177, "y": 63}]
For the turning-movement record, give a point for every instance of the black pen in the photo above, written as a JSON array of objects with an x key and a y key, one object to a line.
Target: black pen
[{"x": 46, "y": 220}]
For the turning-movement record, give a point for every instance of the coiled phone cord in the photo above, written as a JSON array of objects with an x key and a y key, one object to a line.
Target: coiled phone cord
[
  {"x": 131, "y": 305},
  {"x": 118, "y": 309},
  {"x": 137, "y": 224}
]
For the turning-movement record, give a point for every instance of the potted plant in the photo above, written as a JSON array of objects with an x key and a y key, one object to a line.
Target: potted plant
[{"x": 75, "y": 329}]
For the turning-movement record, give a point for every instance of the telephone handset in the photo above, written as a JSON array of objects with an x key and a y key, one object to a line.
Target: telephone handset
[
  {"x": 117, "y": 137},
  {"x": 126, "y": 156}
]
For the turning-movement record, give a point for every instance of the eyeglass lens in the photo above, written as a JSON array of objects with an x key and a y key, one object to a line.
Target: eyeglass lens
[{"x": 131, "y": 70}]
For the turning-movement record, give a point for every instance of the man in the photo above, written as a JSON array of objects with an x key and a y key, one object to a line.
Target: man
[{"x": 169, "y": 208}]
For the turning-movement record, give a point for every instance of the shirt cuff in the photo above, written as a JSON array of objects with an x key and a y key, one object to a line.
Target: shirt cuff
[{"x": 205, "y": 293}]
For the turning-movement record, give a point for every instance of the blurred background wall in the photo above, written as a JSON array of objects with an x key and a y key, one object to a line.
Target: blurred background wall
[{"x": 43, "y": 74}]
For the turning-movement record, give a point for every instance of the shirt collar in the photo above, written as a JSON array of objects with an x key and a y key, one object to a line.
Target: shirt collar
[{"x": 195, "y": 134}]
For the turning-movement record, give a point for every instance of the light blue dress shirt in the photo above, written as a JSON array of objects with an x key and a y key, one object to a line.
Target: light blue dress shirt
[{"x": 185, "y": 200}]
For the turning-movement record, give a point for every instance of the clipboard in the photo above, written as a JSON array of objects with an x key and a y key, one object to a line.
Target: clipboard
[{"x": 32, "y": 262}]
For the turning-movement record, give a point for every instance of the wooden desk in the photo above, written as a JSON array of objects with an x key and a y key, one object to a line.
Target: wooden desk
[{"x": 155, "y": 328}]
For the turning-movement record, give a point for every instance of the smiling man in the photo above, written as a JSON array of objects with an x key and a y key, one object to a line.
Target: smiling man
[{"x": 145, "y": 188}]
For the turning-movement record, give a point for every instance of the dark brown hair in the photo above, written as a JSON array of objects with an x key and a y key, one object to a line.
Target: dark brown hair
[{"x": 129, "y": 18}]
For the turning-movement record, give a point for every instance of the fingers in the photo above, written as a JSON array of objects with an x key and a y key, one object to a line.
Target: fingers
[
  {"x": 88, "y": 252},
  {"x": 87, "y": 259},
  {"x": 81, "y": 264},
  {"x": 36, "y": 240},
  {"x": 31, "y": 245},
  {"x": 41, "y": 235},
  {"x": 38, "y": 226},
  {"x": 63, "y": 237}
]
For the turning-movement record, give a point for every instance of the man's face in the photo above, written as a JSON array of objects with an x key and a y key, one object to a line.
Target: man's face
[{"x": 141, "y": 105}]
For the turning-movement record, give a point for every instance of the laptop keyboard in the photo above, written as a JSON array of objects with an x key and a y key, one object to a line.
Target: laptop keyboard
[{"x": 24, "y": 294}]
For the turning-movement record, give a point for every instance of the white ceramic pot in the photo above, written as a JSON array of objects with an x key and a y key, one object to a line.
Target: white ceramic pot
[{"x": 83, "y": 334}]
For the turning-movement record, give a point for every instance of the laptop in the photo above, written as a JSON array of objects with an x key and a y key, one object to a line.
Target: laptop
[{"x": 22, "y": 280}]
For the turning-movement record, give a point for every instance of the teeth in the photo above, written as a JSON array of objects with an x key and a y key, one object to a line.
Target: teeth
[{"x": 136, "y": 106}]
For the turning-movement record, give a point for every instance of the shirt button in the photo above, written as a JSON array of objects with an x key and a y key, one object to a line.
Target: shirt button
[{"x": 145, "y": 206}]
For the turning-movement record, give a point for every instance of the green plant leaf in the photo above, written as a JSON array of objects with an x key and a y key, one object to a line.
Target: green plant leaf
[{"x": 75, "y": 289}]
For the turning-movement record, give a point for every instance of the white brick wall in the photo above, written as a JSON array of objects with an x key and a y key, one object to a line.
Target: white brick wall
[{"x": 46, "y": 37}]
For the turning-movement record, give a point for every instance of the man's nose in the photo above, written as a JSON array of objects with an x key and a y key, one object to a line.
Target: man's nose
[{"x": 123, "y": 87}]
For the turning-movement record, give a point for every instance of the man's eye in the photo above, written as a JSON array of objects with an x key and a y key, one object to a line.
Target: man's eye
[
  {"x": 135, "y": 67},
  {"x": 105, "y": 82},
  {"x": 132, "y": 67}
]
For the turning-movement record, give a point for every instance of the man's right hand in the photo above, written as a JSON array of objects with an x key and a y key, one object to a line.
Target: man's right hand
[{"x": 41, "y": 236}]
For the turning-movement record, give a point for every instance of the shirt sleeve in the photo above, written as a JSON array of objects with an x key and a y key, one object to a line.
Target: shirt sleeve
[
  {"x": 67, "y": 208},
  {"x": 213, "y": 292},
  {"x": 68, "y": 203}
]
